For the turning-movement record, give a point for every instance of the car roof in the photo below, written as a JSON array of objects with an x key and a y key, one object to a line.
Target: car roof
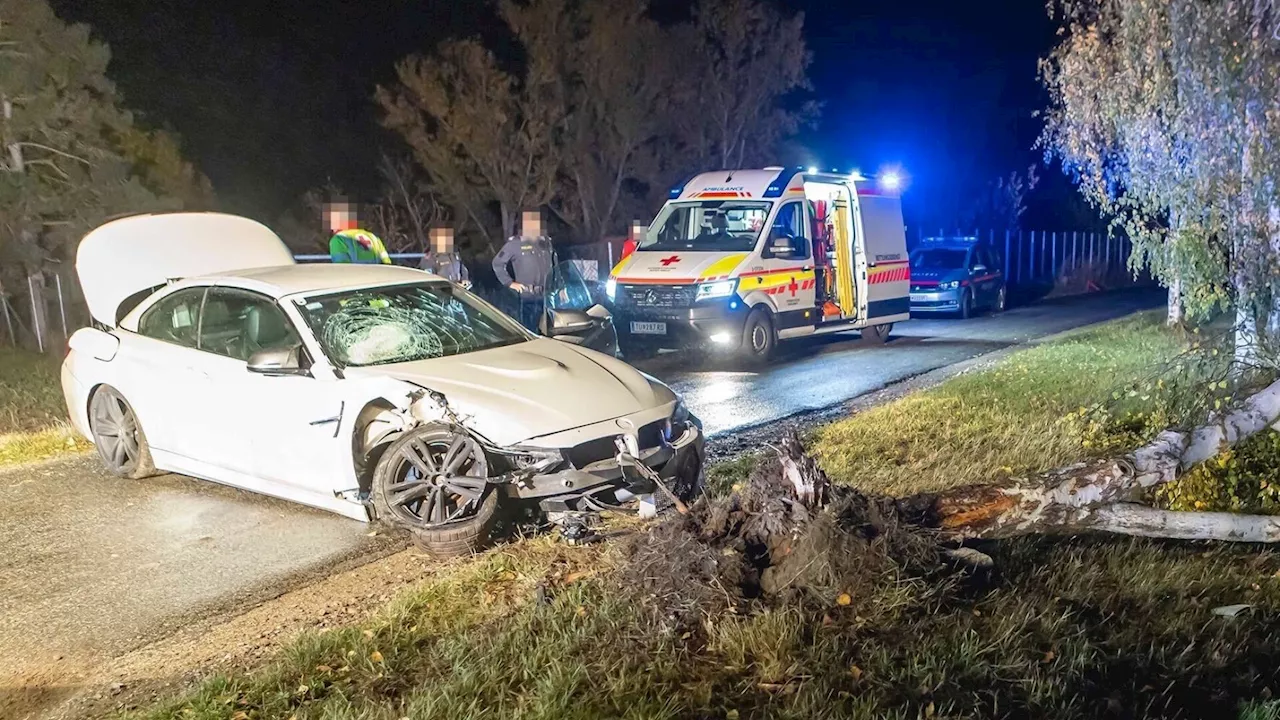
[{"x": 283, "y": 280}]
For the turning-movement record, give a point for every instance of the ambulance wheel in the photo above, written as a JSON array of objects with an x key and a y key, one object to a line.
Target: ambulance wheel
[
  {"x": 759, "y": 338},
  {"x": 876, "y": 334},
  {"x": 966, "y": 305}
]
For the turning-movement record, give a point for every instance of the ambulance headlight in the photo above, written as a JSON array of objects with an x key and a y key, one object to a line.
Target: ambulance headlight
[
  {"x": 717, "y": 289},
  {"x": 611, "y": 288},
  {"x": 950, "y": 285}
]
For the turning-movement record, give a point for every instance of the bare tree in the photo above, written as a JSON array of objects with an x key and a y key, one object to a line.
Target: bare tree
[
  {"x": 619, "y": 72},
  {"x": 747, "y": 58},
  {"x": 485, "y": 136}
]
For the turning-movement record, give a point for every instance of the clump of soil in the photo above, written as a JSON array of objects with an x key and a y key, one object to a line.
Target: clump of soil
[{"x": 763, "y": 544}]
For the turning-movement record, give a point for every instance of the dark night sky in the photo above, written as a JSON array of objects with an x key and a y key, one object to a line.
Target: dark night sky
[{"x": 272, "y": 98}]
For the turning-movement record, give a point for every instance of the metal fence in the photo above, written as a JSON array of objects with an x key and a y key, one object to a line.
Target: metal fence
[{"x": 1047, "y": 257}]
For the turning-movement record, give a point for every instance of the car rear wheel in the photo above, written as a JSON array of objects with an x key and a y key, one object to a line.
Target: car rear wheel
[
  {"x": 118, "y": 436},
  {"x": 433, "y": 481},
  {"x": 759, "y": 338},
  {"x": 876, "y": 334}
]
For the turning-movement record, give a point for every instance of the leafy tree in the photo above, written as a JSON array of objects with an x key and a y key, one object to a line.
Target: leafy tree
[
  {"x": 72, "y": 155},
  {"x": 1165, "y": 112}
]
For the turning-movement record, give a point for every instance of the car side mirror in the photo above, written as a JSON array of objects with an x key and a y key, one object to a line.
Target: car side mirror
[
  {"x": 570, "y": 322},
  {"x": 781, "y": 247},
  {"x": 277, "y": 361}
]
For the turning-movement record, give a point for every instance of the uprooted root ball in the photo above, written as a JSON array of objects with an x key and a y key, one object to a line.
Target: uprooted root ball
[{"x": 761, "y": 544}]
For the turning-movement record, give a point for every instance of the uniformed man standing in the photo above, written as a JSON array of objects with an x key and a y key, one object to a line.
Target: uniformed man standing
[
  {"x": 523, "y": 264},
  {"x": 442, "y": 259}
]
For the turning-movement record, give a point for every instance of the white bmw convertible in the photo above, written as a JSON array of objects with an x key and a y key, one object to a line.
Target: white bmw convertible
[{"x": 373, "y": 391}]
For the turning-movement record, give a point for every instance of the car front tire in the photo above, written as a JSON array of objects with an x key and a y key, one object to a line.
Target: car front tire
[
  {"x": 759, "y": 338},
  {"x": 454, "y": 510}
]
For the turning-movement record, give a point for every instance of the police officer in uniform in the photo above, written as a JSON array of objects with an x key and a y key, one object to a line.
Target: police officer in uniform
[{"x": 523, "y": 264}]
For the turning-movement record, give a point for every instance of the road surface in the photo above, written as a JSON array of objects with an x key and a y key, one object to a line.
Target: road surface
[
  {"x": 95, "y": 566},
  {"x": 828, "y": 370}
]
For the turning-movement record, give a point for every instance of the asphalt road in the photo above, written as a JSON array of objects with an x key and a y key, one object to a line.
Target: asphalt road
[
  {"x": 827, "y": 370},
  {"x": 94, "y": 566}
]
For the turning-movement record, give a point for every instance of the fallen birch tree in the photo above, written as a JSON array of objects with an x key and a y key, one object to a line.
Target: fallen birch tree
[{"x": 1102, "y": 495}]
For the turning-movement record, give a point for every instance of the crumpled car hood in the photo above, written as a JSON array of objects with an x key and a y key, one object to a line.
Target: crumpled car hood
[{"x": 522, "y": 391}]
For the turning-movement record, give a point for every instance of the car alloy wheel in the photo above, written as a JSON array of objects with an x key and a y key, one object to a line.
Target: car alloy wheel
[
  {"x": 118, "y": 436},
  {"x": 435, "y": 479}
]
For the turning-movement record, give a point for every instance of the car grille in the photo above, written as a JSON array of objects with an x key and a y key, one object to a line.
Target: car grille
[
  {"x": 663, "y": 296},
  {"x": 593, "y": 451},
  {"x": 925, "y": 288}
]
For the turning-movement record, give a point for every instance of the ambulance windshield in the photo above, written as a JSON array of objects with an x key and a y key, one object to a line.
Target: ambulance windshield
[{"x": 710, "y": 226}]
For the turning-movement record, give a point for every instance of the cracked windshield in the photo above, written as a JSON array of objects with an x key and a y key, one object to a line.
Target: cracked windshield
[{"x": 404, "y": 323}]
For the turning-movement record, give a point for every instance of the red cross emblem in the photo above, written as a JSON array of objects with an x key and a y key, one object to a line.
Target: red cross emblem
[
  {"x": 666, "y": 262},
  {"x": 793, "y": 287}
]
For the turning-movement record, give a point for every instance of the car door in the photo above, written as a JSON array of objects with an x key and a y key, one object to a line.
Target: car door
[
  {"x": 789, "y": 279},
  {"x": 280, "y": 431},
  {"x": 157, "y": 372},
  {"x": 985, "y": 277}
]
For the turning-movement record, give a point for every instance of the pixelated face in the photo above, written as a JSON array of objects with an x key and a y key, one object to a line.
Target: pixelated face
[
  {"x": 531, "y": 223},
  {"x": 637, "y": 229},
  {"x": 442, "y": 240},
  {"x": 340, "y": 216}
]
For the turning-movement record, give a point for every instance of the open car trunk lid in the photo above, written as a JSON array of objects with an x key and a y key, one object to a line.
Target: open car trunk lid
[{"x": 123, "y": 257}]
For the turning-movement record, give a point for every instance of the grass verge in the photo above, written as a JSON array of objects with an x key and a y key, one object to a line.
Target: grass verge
[
  {"x": 1021, "y": 416},
  {"x": 33, "y": 414},
  {"x": 1061, "y": 628}
]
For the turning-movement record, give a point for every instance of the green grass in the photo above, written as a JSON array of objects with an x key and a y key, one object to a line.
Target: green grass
[
  {"x": 33, "y": 414},
  {"x": 1013, "y": 419},
  {"x": 1071, "y": 629},
  {"x": 1063, "y": 628}
]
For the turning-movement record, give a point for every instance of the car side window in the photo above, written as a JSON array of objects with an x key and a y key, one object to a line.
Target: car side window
[
  {"x": 238, "y": 323},
  {"x": 174, "y": 318},
  {"x": 790, "y": 222}
]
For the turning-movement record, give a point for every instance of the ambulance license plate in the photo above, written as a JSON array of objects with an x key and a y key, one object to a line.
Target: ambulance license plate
[{"x": 649, "y": 328}]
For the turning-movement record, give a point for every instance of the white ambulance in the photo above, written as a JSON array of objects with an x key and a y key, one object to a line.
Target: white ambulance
[{"x": 744, "y": 258}]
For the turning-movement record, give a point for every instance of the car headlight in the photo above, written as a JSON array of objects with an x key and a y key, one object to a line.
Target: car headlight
[
  {"x": 611, "y": 288},
  {"x": 949, "y": 285},
  {"x": 717, "y": 289},
  {"x": 534, "y": 459}
]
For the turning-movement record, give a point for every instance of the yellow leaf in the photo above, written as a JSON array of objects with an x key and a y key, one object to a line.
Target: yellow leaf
[
  {"x": 843, "y": 599},
  {"x": 1049, "y": 656},
  {"x": 731, "y": 715},
  {"x": 856, "y": 672},
  {"x": 375, "y": 656},
  {"x": 368, "y": 634}
]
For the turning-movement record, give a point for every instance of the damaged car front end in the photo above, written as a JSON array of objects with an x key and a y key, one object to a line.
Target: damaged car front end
[{"x": 448, "y": 484}]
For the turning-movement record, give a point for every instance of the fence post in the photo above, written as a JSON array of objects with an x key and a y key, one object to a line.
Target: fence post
[
  {"x": 8, "y": 321},
  {"x": 1107, "y": 244},
  {"x": 35, "y": 313},
  {"x": 1006, "y": 254},
  {"x": 62, "y": 308},
  {"x": 1031, "y": 263}
]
